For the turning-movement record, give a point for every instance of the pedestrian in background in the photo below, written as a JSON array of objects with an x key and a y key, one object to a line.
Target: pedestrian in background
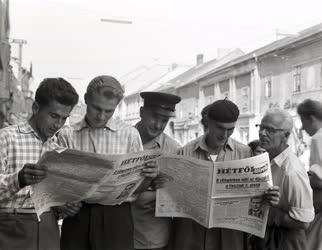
[
  {"x": 256, "y": 148},
  {"x": 310, "y": 112}
]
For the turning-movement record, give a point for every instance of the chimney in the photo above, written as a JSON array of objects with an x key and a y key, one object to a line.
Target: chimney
[
  {"x": 172, "y": 67},
  {"x": 199, "y": 59}
]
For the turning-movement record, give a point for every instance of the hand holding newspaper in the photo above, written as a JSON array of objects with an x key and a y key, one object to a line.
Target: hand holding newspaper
[
  {"x": 94, "y": 178},
  {"x": 221, "y": 194}
]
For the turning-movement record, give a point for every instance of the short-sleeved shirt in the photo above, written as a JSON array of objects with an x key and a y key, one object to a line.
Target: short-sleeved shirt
[
  {"x": 149, "y": 231},
  {"x": 314, "y": 233},
  {"x": 19, "y": 144},
  {"x": 295, "y": 191},
  {"x": 115, "y": 138},
  {"x": 188, "y": 234},
  {"x": 295, "y": 198},
  {"x": 316, "y": 149}
]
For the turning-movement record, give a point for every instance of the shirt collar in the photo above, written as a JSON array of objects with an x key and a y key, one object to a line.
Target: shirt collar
[
  {"x": 157, "y": 140},
  {"x": 203, "y": 145},
  {"x": 319, "y": 131},
  {"x": 25, "y": 128},
  {"x": 279, "y": 159},
  {"x": 111, "y": 125}
]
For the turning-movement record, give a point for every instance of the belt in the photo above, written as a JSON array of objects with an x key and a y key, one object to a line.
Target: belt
[{"x": 17, "y": 210}]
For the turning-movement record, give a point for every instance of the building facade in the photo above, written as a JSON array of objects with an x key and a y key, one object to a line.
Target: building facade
[{"x": 281, "y": 74}]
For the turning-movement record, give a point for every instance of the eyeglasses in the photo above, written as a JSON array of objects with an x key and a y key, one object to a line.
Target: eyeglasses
[{"x": 268, "y": 129}]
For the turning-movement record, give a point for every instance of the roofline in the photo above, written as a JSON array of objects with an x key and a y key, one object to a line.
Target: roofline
[{"x": 256, "y": 54}]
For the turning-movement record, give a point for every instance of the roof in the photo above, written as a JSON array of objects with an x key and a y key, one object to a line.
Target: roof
[
  {"x": 197, "y": 71},
  {"x": 149, "y": 78},
  {"x": 272, "y": 47},
  {"x": 142, "y": 76},
  {"x": 166, "y": 78}
]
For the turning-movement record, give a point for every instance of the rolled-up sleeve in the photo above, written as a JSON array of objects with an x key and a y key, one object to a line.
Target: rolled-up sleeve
[
  {"x": 9, "y": 184},
  {"x": 299, "y": 196}
]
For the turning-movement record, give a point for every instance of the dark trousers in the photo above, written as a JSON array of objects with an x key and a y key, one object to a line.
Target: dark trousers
[
  {"x": 98, "y": 227},
  {"x": 162, "y": 248},
  {"x": 25, "y": 232},
  {"x": 278, "y": 238}
]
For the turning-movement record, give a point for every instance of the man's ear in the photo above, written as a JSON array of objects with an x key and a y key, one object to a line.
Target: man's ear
[
  {"x": 287, "y": 134},
  {"x": 141, "y": 111},
  {"x": 313, "y": 118},
  {"x": 35, "y": 107},
  {"x": 85, "y": 98}
]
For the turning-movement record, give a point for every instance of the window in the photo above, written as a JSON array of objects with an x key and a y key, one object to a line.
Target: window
[
  {"x": 243, "y": 83},
  {"x": 268, "y": 88},
  {"x": 297, "y": 79},
  {"x": 209, "y": 94},
  {"x": 224, "y": 88}
]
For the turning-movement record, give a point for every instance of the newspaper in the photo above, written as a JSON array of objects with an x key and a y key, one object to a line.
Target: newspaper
[
  {"x": 221, "y": 194},
  {"x": 94, "y": 178}
]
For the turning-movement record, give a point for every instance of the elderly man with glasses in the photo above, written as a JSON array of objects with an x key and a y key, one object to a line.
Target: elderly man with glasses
[{"x": 289, "y": 219}]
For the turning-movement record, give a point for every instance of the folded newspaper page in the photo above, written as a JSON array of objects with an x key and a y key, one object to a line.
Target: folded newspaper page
[
  {"x": 94, "y": 178},
  {"x": 221, "y": 194}
]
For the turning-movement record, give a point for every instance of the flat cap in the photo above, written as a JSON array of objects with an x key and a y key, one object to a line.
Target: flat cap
[
  {"x": 105, "y": 81},
  {"x": 162, "y": 103},
  {"x": 223, "y": 111}
]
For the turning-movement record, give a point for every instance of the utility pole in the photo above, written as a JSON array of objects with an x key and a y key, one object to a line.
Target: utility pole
[{"x": 20, "y": 42}]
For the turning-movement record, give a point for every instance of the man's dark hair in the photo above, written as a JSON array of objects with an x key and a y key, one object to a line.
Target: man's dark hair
[
  {"x": 254, "y": 144},
  {"x": 56, "y": 89},
  {"x": 310, "y": 108}
]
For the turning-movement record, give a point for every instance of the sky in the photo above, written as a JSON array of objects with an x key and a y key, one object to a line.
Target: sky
[{"x": 66, "y": 38}]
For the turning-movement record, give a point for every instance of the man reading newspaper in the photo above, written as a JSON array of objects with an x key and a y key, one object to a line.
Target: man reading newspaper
[
  {"x": 216, "y": 145},
  {"x": 98, "y": 226}
]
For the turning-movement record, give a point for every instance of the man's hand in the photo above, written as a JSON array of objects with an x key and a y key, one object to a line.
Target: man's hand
[
  {"x": 70, "y": 209},
  {"x": 159, "y": 181},
  {"x": 272, "y": 196},
  {"x": 315, "y": 180},
  {"x": 150, "y": 170},
  {"x": 31, "y": 174}
]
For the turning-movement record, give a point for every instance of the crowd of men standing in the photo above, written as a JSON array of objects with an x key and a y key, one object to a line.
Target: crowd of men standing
[{"x": 295, "y": 221}]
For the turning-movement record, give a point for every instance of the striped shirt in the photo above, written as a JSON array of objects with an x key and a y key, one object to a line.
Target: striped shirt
[
  {"x": 115, "y": 138},
  {"x": 19, "y": 144}
]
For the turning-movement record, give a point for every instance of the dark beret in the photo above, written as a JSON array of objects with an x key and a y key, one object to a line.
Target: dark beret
[
  {"x": 223, "y": 111},
  {"x": 162, "y": 103}
]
